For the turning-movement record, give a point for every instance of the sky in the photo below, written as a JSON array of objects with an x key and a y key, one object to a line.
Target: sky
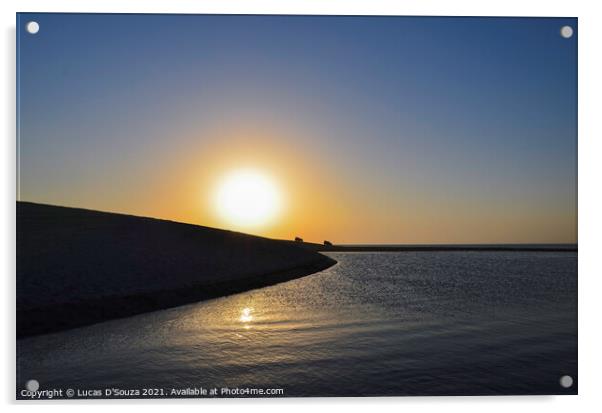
[{"x": 373, "y": 129}]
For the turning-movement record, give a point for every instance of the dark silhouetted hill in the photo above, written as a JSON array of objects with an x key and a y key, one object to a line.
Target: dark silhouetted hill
[{"x": 77, "y": 266}]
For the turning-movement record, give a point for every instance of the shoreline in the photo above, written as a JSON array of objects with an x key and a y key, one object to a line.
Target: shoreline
[
  {"x": 77, "y": 267},
  {"x": 66, "y": 316}
]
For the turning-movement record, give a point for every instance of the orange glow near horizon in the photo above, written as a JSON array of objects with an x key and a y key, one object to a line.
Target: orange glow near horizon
[
  {"x": 273, "y": 184},
  {"x": 256, "y": 182}
]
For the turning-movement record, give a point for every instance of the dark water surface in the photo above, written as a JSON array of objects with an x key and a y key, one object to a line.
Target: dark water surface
[{"x": 394, "y": 323}]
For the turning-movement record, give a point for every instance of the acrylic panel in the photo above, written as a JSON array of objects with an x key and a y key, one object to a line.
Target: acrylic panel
[{"x": 284, "y": 206}]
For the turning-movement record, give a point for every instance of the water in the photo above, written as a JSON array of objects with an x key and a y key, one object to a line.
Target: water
[{"x": 395, "y": 323}]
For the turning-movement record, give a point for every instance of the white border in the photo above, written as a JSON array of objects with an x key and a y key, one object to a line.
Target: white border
[{"x": 590, "y": 200}]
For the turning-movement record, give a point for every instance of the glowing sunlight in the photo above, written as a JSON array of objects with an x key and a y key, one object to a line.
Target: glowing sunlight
[{"x": 247, "y": 199}]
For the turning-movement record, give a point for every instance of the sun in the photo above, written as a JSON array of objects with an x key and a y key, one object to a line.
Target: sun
[{"x": 248, "y": 198}]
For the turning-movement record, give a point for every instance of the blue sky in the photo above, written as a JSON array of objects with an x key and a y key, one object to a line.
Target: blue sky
[{"x": 463, "y": 125}]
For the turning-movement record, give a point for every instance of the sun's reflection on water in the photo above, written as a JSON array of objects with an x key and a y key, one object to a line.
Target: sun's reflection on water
[{"x": 245, "y": 316}]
